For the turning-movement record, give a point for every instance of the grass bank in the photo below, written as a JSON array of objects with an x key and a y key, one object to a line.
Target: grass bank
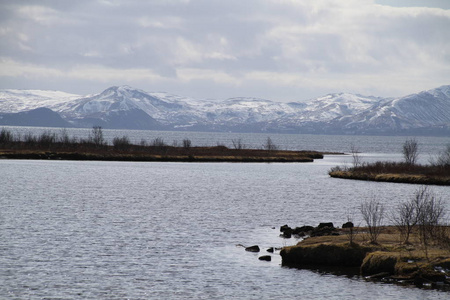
[
  {"x": 396, "y": 172},
  {"x": 62, "y": 147},
  {"x": 388, "y": 259}
]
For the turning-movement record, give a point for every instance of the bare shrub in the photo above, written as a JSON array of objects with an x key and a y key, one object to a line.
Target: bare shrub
[
  {"x": 64, "y": 137},
  {"x": 269, "y": 145},
  {"x": 430, "y": 213},
  {"x": 348, "y": 227},
  {"x": 96, "y": 136},
  {"x": 443, "y": 159},
  {"x": 405, "y": 218},
  {"x": 6, "y": 136},
  {"x": 237, "y": 144},
  {"x": 356, "y": 158},
  {"x": 411, "y": 151},
  {"x": 29, "y": 139},
  {"x": 187, "y": 143},
  {"x": 373, "y": 214},
  {"x": 46, "y": 139},
  {"x": 158, "y": 142},
  {"x": 143, "y": 143},
  {"x": 121, "y": 143}
]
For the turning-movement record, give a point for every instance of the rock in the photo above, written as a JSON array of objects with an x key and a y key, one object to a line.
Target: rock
[
  {"x": 254, "y": 248},
  {"x": 322, "y": 225},
  {"x": 286, "y": 231},
  {"x": 286, "y": 234},
  {"x": 270, "y": 250},
  {"x": 324, "y": 255},
  {"x": 347, "y": 225},
  {"x": 265, "y": 257},
  {"x": 285, "y": 228},
  {"x": 302, "y": 231},
  {"x": 323, "y": 231}
]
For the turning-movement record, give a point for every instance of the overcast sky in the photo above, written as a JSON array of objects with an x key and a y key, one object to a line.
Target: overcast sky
[{"x": 284, "y": 50}]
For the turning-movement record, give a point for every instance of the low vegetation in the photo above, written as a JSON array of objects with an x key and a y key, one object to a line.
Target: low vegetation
[
  {"x": 416, "y": 249},
  {"x": 50, "y": 145},
  {"x": 437, "y": 172}
]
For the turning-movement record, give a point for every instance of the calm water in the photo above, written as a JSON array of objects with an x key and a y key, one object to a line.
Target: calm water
[{"x": 119, "y": 230}]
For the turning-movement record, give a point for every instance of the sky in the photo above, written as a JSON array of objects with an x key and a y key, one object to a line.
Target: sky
[{"x": 282, "y": 50}]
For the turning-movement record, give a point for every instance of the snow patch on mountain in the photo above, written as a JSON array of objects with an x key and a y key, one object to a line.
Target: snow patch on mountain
[{"x": 340, "y": 112}]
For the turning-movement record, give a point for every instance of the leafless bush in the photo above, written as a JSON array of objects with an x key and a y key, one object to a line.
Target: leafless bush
[
  {"x": 373, "y": 214},
  {"x": 430, "y": 213},
  {"x": 143, "y": 143},
  {"x": 46, "y": 139},
  {"x": 405, "y": 218},
  {"x": 237, "y": 144},
  {"x": 96, "y": 136},
  {"x": 356, "y": 158},
  {"x": 187, "y": 143},
  {"x": 443, "y": 159},
  {"x": 6, "y": 136},
  {"x": 411, "y": 151},
  {"x": 269, "y": 145},
  {"x": 64, "y": 137},
  {"x": 158, "y": 142},
  {"x": 29, "y": 139},
  {"x": 121, "y": 143}
]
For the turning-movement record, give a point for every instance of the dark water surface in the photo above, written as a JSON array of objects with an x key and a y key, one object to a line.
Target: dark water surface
[{"x": 120, "y": 230}]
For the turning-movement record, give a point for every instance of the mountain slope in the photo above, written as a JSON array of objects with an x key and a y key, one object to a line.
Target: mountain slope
[
  {"x": 428, "y": 109},
  {"x": 342, "y": 113},
  {"x": 42, "y": 117}
]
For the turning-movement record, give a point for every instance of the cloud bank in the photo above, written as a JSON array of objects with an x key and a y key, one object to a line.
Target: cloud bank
[{"x": 273, "y": 49}]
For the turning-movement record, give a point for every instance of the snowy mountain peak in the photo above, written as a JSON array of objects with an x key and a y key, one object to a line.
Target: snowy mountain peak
[{"x": 120, "y": 106}]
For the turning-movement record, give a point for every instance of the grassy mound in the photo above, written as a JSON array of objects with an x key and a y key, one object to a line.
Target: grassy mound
[
  {"x": 396, "y": 172},
  {"x": 388, "y": 258}
]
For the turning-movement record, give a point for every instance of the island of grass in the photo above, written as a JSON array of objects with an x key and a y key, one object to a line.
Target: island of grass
[
  {"x": 415, "y": 249},
  {"x": 396, "y": 172},
  {"x": 408, "y": 171},
  {"x": 60, "y": 147},
  {"x": 389, "y": 259}
]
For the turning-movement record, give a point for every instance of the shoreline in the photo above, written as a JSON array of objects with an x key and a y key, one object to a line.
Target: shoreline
[
  {"x": 387, "y": 261},
  {"x": 170, "y": 154}
]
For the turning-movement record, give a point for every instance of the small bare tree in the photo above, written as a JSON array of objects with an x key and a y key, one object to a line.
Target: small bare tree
[
  {"x": 96, "y": 136},
  {"x": 356, "y": 158},
  {"x": 411, "y": 151},
  {"x": 187, "y": 143},
  {"x": 430, "y": 212},
  {"x": 373, "y": 214},
  {"x": 237, "y": 144},
  {"x": 269, "y": 145},
  {"x": 443, "y": 159},
  {"x": 405, "y": 218}
]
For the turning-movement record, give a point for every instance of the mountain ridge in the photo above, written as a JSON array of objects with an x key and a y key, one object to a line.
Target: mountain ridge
[{"x": 125, "y": 107}]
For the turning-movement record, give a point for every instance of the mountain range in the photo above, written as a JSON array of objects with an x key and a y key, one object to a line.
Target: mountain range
[{"x": 123, "y": 107}]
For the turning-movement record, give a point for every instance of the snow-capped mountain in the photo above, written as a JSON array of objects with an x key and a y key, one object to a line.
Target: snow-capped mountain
[{"x": 343, "y": 113}]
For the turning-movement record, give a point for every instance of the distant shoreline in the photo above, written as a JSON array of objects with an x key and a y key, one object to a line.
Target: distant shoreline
[
  {"x": 248, "y": 157},
  {"x": 50, "y": 146}
]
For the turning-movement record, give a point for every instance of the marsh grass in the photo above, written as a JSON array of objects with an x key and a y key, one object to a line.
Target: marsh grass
[
  {"x": 395, "y": 172},
  {"x": 53, "y": 146}
]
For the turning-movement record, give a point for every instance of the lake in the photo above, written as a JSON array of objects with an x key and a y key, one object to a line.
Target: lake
[{"x": 131, "y": 230}]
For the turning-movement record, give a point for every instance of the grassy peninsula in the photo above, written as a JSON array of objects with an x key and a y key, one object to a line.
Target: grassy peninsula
[
  {"x": 388, "y": 259},
  {"x": 437, "y": 172},
  {"x": 396, "y": 172},
  {"x": 415, "y": 249},
  {"x": 53, "y": 146}
]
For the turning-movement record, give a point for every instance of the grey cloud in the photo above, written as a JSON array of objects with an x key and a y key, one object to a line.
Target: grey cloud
[{"x": 304, "y": 40}]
